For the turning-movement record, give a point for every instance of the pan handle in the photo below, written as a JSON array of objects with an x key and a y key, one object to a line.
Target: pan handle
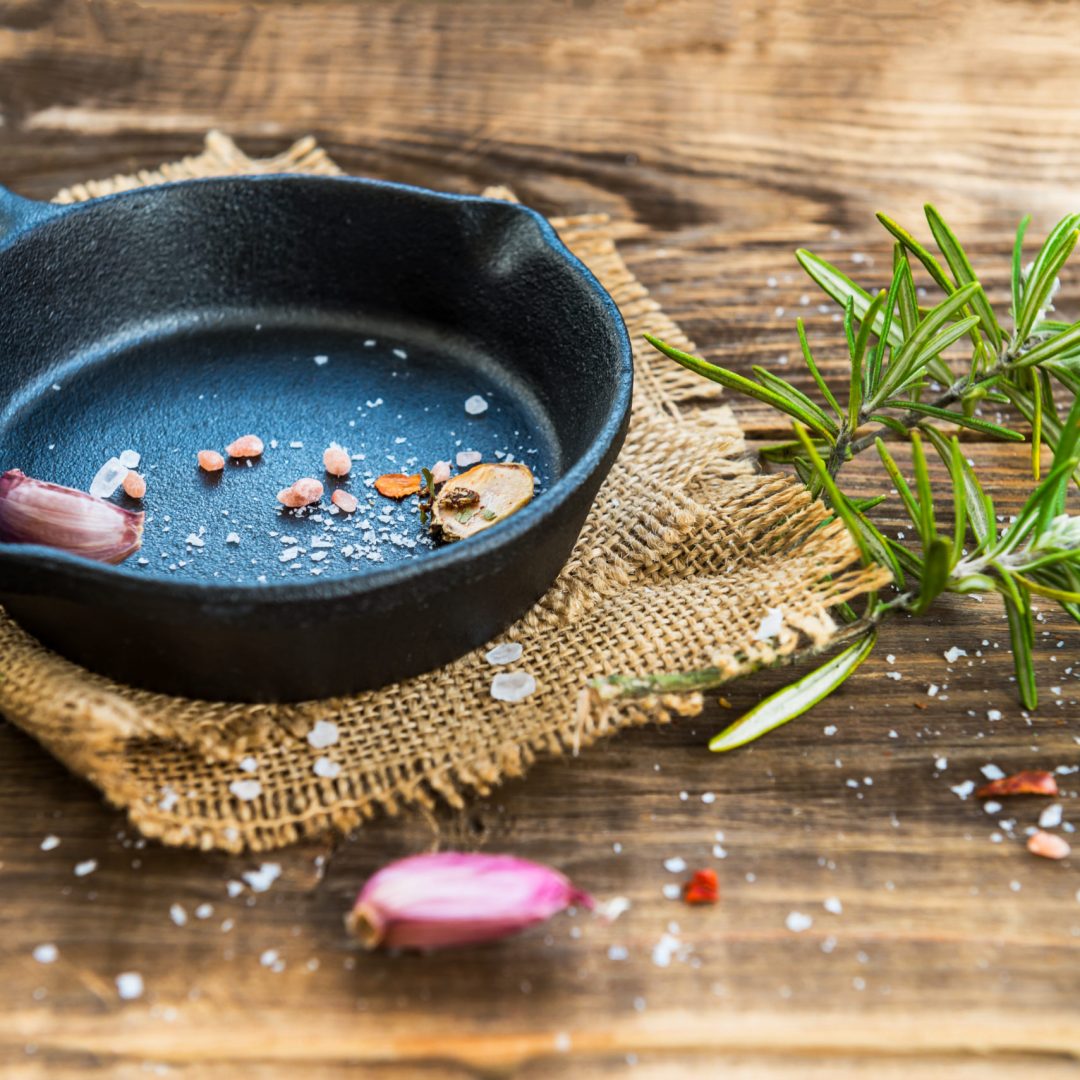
[{"x": 18, "y": 214}]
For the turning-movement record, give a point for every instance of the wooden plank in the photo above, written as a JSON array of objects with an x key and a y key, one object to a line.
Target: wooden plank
[{"x": 721, "y": 137}]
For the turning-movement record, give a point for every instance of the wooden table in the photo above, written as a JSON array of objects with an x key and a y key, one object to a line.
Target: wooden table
[{"x": 721, "y": 137}]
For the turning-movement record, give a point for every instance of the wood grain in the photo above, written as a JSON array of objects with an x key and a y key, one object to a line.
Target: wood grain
[{"x": 720, "y": 136}]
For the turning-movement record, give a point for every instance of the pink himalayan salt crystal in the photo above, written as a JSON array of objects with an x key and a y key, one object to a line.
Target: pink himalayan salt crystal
[
  {"x": 1048, "y": 845},
  {"x": 134, "y": 485},
  {"x": 344, "y": 500},
  {"x": 336, "y": 461},
  {"x": 303, "y": 493},
  {"x": 211, "y": 461},
  {"x": 244, "y": 447},
  {"x": 440, "y": 472},
  {"x": 457, "y": 898}
]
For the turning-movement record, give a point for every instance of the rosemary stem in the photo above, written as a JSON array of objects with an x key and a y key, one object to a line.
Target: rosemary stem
[
  {"x": 912, "y": 418},
  {"x": 711, "y": 678}
]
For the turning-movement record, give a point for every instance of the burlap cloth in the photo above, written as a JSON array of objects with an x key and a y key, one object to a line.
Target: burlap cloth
[{"x": 684, "y": 553}]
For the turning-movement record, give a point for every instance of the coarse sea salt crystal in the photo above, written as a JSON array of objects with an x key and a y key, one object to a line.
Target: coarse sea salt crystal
[
  {"x": 195, "y": 541},
  {"x": 260, "y": 880},
  {"x": 130, "y": 459},
  {"x": 675, "y": 865},
  {"x": 204, "y": 911},
  {"x": 992, "y": 772},
  {"x": 993, "y": 714},
  {"x": 86, "y": 867},
  {"x": 246, "y": 790},
  {"x": 611, "y": 909},
  {"x": 50, "y": 842},
  {"x": 833, "y": 905},
  {"x": 512, "y": 686},
  {"x": 108, "y": 478},
  {"x": 467, "y": 458},
  {"x": 1050, "y": 818},
  {"x": 476, "y": 405},
  {"x": 323, "y": 734},
  {"x": 232, "y": 538},
  {"x": 506, "y": 653},
  {"x": 289, "y": 554},
  {"x": 327, "y": 769},
  {"x": 129, "y": 985},
  {"x": 178, "y": 915},
  {"x": 46, "y": 954},
  {"x": 954, "y": 654},
  {"x": 321, "y": 360},
  {"x": 797, "y": 922},
  {"x": 665, "y": 949},
  {"x": 671, "y": 892},
  {"x": 964, "y": 789},
  {"x": 771, "y": 625}
]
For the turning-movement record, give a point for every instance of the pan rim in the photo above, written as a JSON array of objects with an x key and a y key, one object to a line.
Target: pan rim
[{"x": 65, "y": 567}]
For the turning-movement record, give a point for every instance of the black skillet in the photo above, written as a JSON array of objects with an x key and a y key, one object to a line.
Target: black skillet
[{"x": 305, "y": 310}]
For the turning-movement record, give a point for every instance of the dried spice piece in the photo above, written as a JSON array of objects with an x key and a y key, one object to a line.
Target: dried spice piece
[
  {"x": 336, "y": 461},
  {"x": 303, "y": 493},
  {"x": 475, "y": 500},
  {"x": 1048, "y": 845},
  {"x": 461, "y": 498},
  {"x": 1028, "y": 782},
  {"x": 211, "y": 461},
  {"x": 702, "y": 888},
  {"x": 398, "y": 485},
  {"x": 457, "y": 898},
  {"x": 34, "y": 512},
  {"x": 134, "y": 485},
  {"x": 345, "y": 501},
  {"x": 247, "y": 446}
]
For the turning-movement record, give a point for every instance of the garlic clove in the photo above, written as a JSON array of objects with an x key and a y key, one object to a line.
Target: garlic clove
[
  {"x": 457, "y": 898},
  {"x": 34, "y": 512}
]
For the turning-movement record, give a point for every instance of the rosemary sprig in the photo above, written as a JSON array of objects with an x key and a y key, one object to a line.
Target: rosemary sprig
[{"x": 906, "y": 380}]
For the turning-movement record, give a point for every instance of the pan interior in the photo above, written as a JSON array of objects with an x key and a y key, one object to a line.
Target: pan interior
[{"x": 394, "y": 400}]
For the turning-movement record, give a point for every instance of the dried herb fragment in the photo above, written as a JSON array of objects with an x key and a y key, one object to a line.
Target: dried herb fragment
[
  {"x": 702, "y": 888},
  {"x": 397, "y": 485},
  {"x": 1028, "y": 782}
]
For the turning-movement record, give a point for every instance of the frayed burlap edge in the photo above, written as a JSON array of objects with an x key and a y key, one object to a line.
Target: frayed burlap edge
[{"x": 684, "y": 553}]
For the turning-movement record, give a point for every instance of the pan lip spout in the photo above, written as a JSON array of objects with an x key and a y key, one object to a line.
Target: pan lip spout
[{"x": 27, "y": 570}]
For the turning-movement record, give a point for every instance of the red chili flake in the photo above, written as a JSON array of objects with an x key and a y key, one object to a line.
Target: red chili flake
[
  {"x": 1048, "y": 845},
  {"x": 397, "y": 485},
  {"x": 1029, "y": 782},
  {"x": 702, "y": 888}
]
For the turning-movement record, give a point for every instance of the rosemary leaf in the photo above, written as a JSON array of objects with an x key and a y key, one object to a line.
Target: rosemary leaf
[
  {"x": 795, "y": 699},
  {"x": 963, "y": 273}
]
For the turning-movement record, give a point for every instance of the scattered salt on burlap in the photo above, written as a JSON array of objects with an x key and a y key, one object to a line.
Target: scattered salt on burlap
[{"x": 684, "y": 554}]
